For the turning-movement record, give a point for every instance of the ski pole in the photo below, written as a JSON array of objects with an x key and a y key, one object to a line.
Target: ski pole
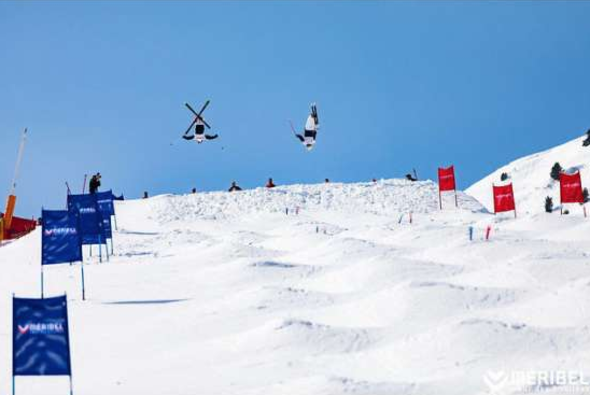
[{"x": 84, "y": 184}]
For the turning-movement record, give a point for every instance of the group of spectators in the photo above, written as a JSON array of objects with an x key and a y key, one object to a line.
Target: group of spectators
[{"x": 95, "y": 184}]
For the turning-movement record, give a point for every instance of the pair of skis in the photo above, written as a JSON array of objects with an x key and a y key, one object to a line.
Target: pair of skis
[{"x": 198, "y": 116}]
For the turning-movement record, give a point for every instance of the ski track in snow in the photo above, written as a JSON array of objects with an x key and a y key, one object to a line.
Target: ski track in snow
[{"x": 223, "y": 293}]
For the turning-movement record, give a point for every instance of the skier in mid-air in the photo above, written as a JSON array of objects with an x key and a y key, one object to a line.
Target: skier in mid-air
[
  {"x": 200, "y": 135},
  {"x": 311, "y": 129},
  {"x": 200, "y": 125}
]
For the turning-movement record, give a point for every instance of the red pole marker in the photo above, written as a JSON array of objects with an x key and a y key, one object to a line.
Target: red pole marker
[
  {"x": 570, "y": 189},
  {"x": 488, "y": 230},
  {"x": 503, "y": 198},
  {"x": 446, "y": 182}
]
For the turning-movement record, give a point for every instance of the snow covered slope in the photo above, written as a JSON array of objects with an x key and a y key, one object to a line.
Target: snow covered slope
[
  {"x": 530, "y": 176},
  {"x": 223, "y": 293},
  {"x": 383, "y": 197}
]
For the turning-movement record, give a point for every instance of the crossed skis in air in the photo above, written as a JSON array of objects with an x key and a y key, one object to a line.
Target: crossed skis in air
[
  {"x": 200, "y": 124},
  {"x": 307, "y": 138}
]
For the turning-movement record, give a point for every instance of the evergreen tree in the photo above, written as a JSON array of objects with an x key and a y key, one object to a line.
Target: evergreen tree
[
  {"x": 586, "y": 195},
  {"x": 555, "y": 171},
  {"x": 548, "y": 204}
]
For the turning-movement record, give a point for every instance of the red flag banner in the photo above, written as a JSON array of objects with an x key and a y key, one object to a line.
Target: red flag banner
[
  {"x": 19, "y": 227},
  {"x": 446, "y": 179},
  {"x": 503, "y": 198},
  {"x": 570, "y": 188}
]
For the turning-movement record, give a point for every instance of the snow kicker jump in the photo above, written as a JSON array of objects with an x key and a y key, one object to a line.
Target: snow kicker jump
[
  {"x": 199, "y": 124},
  {"x": 308, "y": 138}
]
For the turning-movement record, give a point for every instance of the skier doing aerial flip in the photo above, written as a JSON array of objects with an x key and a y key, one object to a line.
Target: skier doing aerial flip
[
  {"x": 311, "y": 129},
  {"x": 200, "y": 125}
]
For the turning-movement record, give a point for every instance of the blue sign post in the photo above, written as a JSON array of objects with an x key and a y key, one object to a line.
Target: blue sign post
[
  {"x": 91, "y": 223},
  {"x": 40, "y": 338},
  {"x": 107, "y": 209},
  {"x": 60, "y": 241}
]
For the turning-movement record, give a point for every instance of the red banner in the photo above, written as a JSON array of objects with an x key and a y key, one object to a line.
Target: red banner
[
  {"x": 19, "y": 227},
  {"x": 570, "y": 188},
  {"x": 503, "y": 198},
  {"x": 446, "y": 179}
]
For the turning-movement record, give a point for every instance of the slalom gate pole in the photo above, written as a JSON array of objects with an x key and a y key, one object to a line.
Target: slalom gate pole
[
  {"x": 488, "y": 230},
  {"x": 585, "y": 214},
  {"x": 514, "y": 213},
  {"x": 115, "y": 217},
  {"x": 410, "y": 215},
  {"x": 456, "y": 201},
  {"x": 13, "y": 378},
  {"x": 106, "y": 248},
  {"x": 90, "y": 249},
  {"x": 471, "y": 233},
  {"x": 112, "y": 247},
  {"x": 439, "y": 198},
  {"x": 42, "y": 283},
  {"x": 71, "y": 385},
  {"x": 99, "y": 250},
  {"x": 83, "y": 282},
  {"x": 68, "y": 188},
  {"x": 84, "y": 184}
]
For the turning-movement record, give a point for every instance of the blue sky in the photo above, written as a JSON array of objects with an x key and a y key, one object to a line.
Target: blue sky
[{"x": 399, "y": 85}]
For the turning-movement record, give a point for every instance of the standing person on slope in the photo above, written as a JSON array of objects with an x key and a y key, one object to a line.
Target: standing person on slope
[
  {"x": 234, "y": 187},
  {"x": 94, "y": 183},
  {"x": 311, "y": 129}
]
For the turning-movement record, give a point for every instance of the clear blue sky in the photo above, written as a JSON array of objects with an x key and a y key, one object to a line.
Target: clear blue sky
[{"x": 101, "y": 87}]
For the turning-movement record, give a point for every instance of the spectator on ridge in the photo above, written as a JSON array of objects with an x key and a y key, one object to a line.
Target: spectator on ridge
[
  {"x": 94, "y": 183},
  {"x": 234, "y": 187}
]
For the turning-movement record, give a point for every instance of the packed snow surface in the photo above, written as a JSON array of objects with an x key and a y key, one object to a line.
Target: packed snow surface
[
  {"x": 531, "y": 177},
  {"x": 226, "y": 293}
]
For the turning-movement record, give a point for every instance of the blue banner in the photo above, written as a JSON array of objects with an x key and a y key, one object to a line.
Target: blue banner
[
  {"x": 105, "y": 202},
  {"x": 60, "y": 239},
  {"x": 106, "y": 227},
  {"x": 91, "y": 223},
  {"x": 40, "y": 337}
]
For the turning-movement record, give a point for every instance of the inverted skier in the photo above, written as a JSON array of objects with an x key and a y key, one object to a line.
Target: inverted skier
[
  {"x": 311, "y": 129},
  {"x": 200, "y": 125},
  {"x": 199, "y": 135}
]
